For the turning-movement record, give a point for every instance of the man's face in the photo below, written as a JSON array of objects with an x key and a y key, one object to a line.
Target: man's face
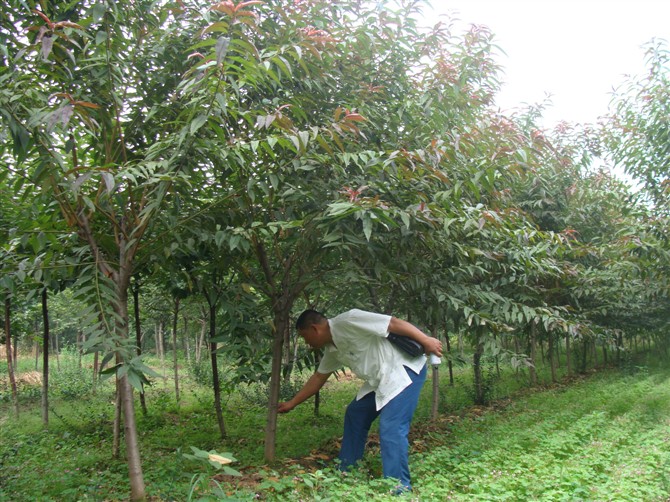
[{"x": 312, "y": 336}]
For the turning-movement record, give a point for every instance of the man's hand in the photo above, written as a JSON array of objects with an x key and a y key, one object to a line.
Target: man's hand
[
  {"x": 432, "y": 346},
  {"x": 285, "y": 407}
]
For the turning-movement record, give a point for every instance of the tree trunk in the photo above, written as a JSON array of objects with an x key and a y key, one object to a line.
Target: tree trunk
[
  {"x": 280, "y": 321},
  {"x": 479, "y": 397},
  {"x": 56, "y": 349},
  {"x": 116, "y": 426},
  {"x": 436, "y": 386},
  {"x": 187, "y": 348},
  {"x": 317, "y": 396},
  {"x": 495, "y": 337},
  {"x": 568, "y": 355},
  {"x": 175, "y": 365},
  {"x": 215, "y": 370},
  {"x": 45, "y": 360},
  {"x": 532, "y": 334},
  {"x": 160, "y": 346},
  {"x": 138, "y": 336},
  {"x": 200, "y": 343},
  {"x": 96, "y": 356},
  {"x": 287, "y": 353},
  {"x": 11, "y": 366},
  {"x": 137, "y": 487},
  {"x": 450, "y": 363},
  {"x": 552, "y": 358},
  {"x": 136, "y": 477},
  {"x": 80, "y": 344}
]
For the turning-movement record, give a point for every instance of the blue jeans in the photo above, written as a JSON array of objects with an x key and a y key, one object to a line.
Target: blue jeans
[{"x": 394, "y": 421}]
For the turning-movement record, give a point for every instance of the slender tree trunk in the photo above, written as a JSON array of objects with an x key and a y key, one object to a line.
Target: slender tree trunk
[
  {"x": 317, "y": 396},
  {"x": 11, "y": 366},
  {"x": 215, "y": 371},
  {"x": 280, "y": 321},
  {"x": 96, "y": 356},
  {"x": 200, "y": 343},
  {"x": 138, "y": 336},
  {"x": 116, "y": 426},
  {"x": 532, "y": 335},
  {"x": 568, "y": 355},
  {"x": 45, "y": 359},
  {"x": 287, "y": 353},
  {"x": 187, "y": 348},
  {"x": 56, "y": 350},
  {"x": 15, "y": 348},
  {"x": 80, "y": 344},
  {"x": 479, "y": 397},
  {"x": 436, "y": 385},
  {"x": 552, "y": 358},
  {"x": 137, "y": 487},
  {"x": 495, "y": 337},
  {"x": 135, "y": 475},
  {"x": 161, "y": 349},
  {"x": 450, "y": 363},
  {"x": 175, "y": 363}
]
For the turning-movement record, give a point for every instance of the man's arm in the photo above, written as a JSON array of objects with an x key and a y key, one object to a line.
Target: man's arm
[
  {"x": 431, "y": 345},
  {"x": 310, "y": 388}
]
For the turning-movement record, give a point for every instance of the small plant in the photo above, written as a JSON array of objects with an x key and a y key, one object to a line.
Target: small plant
[{"x": 202, "y": 482}]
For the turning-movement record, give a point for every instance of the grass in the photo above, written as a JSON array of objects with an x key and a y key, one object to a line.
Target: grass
[{"x": 605, "y": 437}]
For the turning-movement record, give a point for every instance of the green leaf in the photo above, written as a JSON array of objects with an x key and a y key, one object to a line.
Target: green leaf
[
  {"x": 367, "y": 226},
  {"x": 197, "y": 123}
]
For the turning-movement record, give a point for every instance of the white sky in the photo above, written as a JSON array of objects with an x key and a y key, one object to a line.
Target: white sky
[{"x": 577, "y": 51}]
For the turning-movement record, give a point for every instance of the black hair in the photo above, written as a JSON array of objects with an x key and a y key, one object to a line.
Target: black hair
[{"x": 309, "y": 317}]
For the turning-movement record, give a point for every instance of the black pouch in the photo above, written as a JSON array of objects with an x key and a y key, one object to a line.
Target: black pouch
[{"x": 407, "y": 345}]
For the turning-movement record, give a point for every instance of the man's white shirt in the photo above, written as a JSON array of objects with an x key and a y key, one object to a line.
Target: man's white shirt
[{"x": 359, "y": 342}]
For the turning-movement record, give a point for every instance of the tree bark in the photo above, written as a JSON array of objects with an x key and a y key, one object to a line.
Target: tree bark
[
  {"x": 96, "y": 356},
  {"x": 450, "y": 363},
  {"x": 479, "y": 397},
  {"x": 45, "y": 359},
  {"x": 552, "y": 358},
  {"x": 116, "y": 426},
  {"x": 436, "y": 385},
  {"x": 137, "y": 487},
  {"x": 200, "y": 343},
  {"x": 136, "y": 477},
  {"x": 532, "y": 335},
  {"x": 10, "y": 362},
  {"x": 215, "y": 370},
  {"x": 138, "y": 336},
  {"x": 175, "y": 365},
  {"x": 280, "y": 321},
  {"x": 187, "y": 345},
  {"x": 568, "y": 355}
]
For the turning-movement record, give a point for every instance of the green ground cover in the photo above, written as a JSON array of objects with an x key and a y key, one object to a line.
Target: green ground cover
[{"x": 604, "y": 437}]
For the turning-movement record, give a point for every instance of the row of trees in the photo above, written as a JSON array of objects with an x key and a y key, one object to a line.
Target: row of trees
[{"x": 267, "y": 156}]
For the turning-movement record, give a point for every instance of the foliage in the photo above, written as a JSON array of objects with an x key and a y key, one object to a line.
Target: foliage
[
  {"x": 69, "y": 380},
  {"x": 258, "y": 393}
]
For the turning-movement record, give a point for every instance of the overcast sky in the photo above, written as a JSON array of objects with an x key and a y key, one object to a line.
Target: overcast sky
[{"x": 575, "y": 50}]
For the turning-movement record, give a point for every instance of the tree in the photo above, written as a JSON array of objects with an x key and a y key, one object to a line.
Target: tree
[{"x": 102, "y": 140}]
